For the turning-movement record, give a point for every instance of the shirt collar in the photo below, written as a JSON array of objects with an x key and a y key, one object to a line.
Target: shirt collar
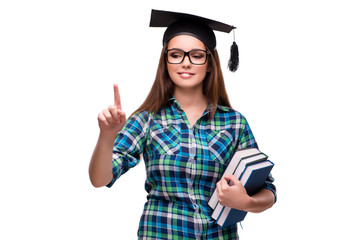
[{"x": 176, "y": 104}]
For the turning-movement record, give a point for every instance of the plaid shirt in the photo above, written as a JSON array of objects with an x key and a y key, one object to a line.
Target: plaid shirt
[{"x": 183, "y": 165}]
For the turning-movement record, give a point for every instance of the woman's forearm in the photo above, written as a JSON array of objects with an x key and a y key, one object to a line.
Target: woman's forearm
[
  {"x": 111, "y": 121},
  {"x": 261, "y": 201},
  {"x": 100, "y": 169}
]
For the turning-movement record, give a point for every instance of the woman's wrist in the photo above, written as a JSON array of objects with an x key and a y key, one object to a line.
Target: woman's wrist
[
  {"x": 250, "y": 204},
  {"x": 260, "y": 201},
  {"x": 107, "y": 137}
]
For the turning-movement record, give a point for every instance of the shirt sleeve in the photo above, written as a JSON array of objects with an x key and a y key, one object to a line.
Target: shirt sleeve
[
  {"x": 128, "y": 145},
  {"x": 247, "y": 140},
  {"x": 246, "y": 137},
  {"x": 270, "y": 186}
]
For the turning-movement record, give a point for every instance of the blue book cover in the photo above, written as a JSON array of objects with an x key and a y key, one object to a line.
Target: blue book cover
[
  {"x": 238, "y": 162},
  {"x": 253, "y": 179}
]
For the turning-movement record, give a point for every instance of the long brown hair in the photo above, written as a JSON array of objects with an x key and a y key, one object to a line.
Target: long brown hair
[{"x": 163, "y": 88}]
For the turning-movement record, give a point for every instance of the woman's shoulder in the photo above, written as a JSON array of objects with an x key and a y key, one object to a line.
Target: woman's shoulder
[
  {"x": 140, "y": 117},
  {"x": 230, "y": 116},
  {"x": 229, "y": 111}
]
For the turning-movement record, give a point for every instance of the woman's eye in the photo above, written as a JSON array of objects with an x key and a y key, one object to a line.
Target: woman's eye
[
  {"x": 175, "y": 55},
  {"x": 198, "y": 56}
]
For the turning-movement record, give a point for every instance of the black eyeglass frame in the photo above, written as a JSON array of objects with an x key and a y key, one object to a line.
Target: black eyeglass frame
[{"x": 207, "y": 53}]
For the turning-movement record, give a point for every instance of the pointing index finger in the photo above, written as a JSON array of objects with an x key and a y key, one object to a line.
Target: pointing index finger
[{"x": 117, "y": 100}]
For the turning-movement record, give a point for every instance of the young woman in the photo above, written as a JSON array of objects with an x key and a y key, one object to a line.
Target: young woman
[{"x": 187, "y": 133}]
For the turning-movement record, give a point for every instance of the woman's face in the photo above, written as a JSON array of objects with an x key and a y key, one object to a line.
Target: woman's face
[{"x": 186, "y": 74}]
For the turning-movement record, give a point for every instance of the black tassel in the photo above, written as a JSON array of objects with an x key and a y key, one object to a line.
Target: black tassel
[{"x": 233, "y": 63}]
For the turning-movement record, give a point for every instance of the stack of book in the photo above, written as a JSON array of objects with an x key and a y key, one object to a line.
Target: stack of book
[{"x": 252, "y": 168}]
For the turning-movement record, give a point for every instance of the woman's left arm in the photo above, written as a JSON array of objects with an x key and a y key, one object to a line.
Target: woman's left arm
[{"x": 235, "y": 196}]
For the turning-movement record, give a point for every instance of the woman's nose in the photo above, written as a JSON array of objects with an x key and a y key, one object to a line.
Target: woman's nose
[{"x": 186, "y": 61}]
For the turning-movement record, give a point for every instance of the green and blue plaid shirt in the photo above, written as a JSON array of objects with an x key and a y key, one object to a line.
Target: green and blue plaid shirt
[{"x": 183, "y": 165}]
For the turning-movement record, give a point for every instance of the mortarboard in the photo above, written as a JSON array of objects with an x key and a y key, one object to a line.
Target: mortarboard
[{"x": 199, "y": 27}]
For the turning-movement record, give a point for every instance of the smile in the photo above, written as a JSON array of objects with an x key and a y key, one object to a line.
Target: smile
[{"x": 186, "y": 74}]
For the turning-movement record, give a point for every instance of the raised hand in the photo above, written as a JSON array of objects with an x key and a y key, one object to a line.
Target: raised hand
[{"x": 112, "y": 119}]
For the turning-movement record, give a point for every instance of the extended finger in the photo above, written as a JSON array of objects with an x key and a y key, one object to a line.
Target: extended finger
[{"x": 117, "y": 100}]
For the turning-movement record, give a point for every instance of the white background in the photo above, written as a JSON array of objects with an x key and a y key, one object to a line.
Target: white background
[{"x": 297, "y": 86}]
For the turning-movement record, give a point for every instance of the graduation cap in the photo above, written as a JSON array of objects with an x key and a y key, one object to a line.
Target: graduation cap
[{"x": 199, "y": 27}]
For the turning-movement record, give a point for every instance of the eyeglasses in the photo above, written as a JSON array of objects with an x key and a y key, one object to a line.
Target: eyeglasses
[{"x": 177, "y": 56}]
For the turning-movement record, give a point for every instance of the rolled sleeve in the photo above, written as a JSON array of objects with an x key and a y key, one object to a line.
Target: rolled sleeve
[
  {"x": 128, "y": 145},
  {"x": 270, "y": 186}
]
